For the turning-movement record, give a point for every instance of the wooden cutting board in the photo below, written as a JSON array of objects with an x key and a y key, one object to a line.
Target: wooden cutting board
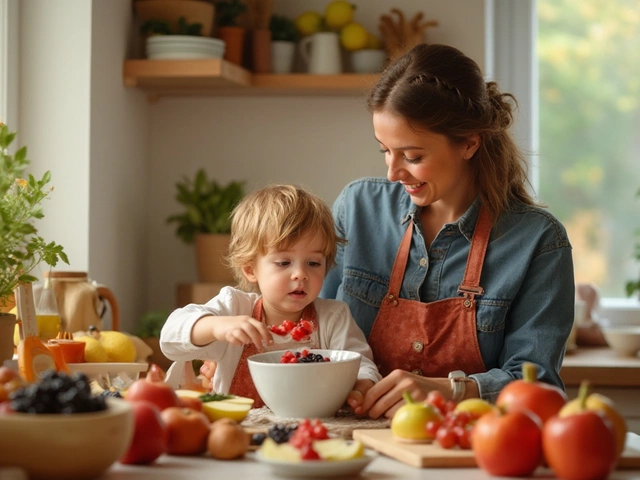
[{"x": 427, "y": 455}]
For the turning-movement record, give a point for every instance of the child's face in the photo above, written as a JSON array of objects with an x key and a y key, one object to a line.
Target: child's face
[{"x": 291, "y": 279}]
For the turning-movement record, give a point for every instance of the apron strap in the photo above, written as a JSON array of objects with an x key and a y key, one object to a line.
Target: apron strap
[
  {"x": 470, "y": 285},
  {"x": 400, "y": 263}
]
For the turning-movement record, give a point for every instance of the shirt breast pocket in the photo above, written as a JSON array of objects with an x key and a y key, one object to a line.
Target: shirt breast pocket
[
  {"x": 491, "y": 318},
  {"x": 365, "y": 287}
]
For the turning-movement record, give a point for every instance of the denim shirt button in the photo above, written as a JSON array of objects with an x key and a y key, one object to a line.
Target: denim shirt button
[
  {"x": 416, "y": 371},
  {"x": 423, "y": 262},
  {"x": 418, "y": 346}
]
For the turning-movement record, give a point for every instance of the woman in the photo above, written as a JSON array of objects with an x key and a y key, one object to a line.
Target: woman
[{"x": 451, "y": 270}]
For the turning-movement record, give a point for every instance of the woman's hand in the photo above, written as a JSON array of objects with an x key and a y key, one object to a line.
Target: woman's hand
[
  {"x": 385, "y": 397},
  {"x": 356, "y": 396},
  {"x": 241, "y": 330}
]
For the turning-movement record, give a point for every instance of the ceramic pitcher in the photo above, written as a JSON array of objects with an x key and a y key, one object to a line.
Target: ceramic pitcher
[
  {"x": 81, "y": 301},
  {"x": 321, "y": 53}
]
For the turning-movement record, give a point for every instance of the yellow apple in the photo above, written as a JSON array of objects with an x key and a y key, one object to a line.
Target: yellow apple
[
  {"x": 595, "y": 401},
  {"x": 225, "y": 409},
  {"x": 410, "y": 420}
]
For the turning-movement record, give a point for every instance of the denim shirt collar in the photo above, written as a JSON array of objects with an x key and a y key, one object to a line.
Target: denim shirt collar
[{"x": 466, "y": 223}]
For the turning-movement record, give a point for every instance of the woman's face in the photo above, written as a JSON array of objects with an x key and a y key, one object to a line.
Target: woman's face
[{"x": 429, "y": 167}]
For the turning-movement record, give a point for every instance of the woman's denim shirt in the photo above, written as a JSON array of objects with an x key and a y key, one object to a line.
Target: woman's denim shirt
[{"x": 526, "y": 312}]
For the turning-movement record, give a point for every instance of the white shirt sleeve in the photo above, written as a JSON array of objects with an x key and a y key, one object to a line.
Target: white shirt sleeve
[
  {"x": 175, "y": 337},
  {"x": 339, "y": 331}
]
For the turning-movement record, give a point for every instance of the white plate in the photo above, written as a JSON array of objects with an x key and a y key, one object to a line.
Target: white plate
[
  {"x": 317, "y": 468},
  {"x": 181, "y": 56},
  {"x": 133, "y": 370}
]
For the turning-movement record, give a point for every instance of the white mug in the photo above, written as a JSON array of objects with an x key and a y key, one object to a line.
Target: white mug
[{"x": 321, "y": 52}]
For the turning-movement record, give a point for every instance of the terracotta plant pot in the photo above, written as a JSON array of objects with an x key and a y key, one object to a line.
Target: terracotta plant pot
[
  {"x": 211, "y": 248},
  {"x": 233, "y": 38}
]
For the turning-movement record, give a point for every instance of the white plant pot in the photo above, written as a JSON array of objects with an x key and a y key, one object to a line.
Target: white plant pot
[{"x": 282, "y": 54}]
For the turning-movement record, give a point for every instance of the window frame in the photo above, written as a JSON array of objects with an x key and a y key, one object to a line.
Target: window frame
[{"x": 9, "y": 62}]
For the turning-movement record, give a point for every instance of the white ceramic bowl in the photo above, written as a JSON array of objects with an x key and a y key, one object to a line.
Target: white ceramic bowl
[
  {"x": 66, "y": 446},
  {"x": 305, "y": 390},
  {"x": 624, "y": 339}
]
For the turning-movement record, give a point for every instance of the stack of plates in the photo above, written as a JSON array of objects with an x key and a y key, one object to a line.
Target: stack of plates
[{"x": 183, "y": 47}]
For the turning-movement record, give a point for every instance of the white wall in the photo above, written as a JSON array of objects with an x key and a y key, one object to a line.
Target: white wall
[
  {"x": 80, "y": 122},
  {"x": 321, "y": 142}
]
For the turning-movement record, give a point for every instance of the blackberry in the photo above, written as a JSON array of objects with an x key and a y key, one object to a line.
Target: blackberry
[
  {"x": 281, "y": 433},
  {"x": 57, "y": 392},
  {"x": 311, "y": 358},
  {"x": 258, "y": 438}
]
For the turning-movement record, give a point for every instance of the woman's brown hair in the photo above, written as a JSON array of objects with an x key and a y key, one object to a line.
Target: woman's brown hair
[{"x": 438, "y": 88}]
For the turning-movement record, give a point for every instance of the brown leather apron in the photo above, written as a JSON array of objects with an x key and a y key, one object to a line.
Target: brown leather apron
[
  {"x": 432, "y": 339},
  {"x": 242, "y": 384}
]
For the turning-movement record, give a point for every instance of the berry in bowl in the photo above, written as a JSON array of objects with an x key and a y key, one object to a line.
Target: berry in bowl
[{"x": 304, "y": 389}]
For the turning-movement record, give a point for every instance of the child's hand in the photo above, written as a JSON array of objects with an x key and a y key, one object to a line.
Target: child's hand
[
  {"x": 207, "y": 370},
  {"x": 241, "y": 330},
  {"x": 355, "y": 399}
]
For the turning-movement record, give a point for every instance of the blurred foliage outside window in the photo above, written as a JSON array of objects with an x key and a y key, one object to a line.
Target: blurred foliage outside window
[{"x": 589, "y": 65}]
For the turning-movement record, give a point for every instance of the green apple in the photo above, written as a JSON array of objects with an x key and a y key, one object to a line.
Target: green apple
[{"x": 410, "y": 420}]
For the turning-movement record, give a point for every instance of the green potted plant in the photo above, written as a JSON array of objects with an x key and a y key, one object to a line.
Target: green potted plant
[
  {"x": 21, "y": 248},
  {"x": 633, "y": 286},
  {"x": 227, "y": 12},
  {"x": 206, "y": 222},
  {"x": 284, "y": 36}
]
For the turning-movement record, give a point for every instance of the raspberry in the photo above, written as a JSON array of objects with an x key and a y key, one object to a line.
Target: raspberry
[
  {"x": 287, "y": 325},
  {"x": 297, "y": 334},
  {"x": 308, "y": 453},
  {"x": 306, "y": 326}
]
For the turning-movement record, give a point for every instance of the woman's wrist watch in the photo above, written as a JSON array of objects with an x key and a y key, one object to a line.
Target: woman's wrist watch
[{"x": 458, "y": 384}]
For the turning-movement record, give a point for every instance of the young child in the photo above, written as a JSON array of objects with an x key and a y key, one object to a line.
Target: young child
[{"x": 283, "y": 242}]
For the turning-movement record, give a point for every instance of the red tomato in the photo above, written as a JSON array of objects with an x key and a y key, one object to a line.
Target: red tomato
[
  {"x": 507, "y": 444},
  {"x": 538, "y": 397},
  {"x": 159, "y": 393},
  {"x": 581, "y": 446},
  {"x": 149, "y": 435},
  {"x": 187, "y": 431}
]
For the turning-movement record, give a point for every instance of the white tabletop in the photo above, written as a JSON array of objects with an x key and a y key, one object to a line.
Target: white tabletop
[{"x": 382, "y": 468}]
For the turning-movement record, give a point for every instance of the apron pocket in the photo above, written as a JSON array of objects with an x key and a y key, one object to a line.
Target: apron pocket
[{"x": 366, "y": 287}]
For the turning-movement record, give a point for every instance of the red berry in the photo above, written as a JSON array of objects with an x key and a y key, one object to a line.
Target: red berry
[
  {"x": 446, "y": 438},
  {"x": 297, "y": 334},
  {"x": 308, "y": 453},
  {"x": 306, "y": 325},
  {"x": 287, "y": 325}
]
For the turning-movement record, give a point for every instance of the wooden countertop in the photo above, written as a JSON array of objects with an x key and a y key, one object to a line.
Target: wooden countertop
[{"x": 602, "y": 366}]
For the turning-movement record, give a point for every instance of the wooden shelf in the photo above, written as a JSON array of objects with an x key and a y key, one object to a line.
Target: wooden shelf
[{"x": 219, "y": 77}]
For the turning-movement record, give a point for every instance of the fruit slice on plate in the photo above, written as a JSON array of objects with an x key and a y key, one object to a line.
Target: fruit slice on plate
[
  {"x": 284, "y": 452},
  {"x": 225, "y": 398},
  {"x": 226, "y": 409},
  {"x": 337, "y": 449}
]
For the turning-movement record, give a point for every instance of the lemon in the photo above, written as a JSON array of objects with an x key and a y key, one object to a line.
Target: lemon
[
  {"x": 338, "y": 14},
  {"x": 373, "y": 42},
  {"x": 353, "y": 37},
  {"x": 308, "y": 23},
  {"x": 94, "y": 352},
  {"x": 119, "y": 347}
]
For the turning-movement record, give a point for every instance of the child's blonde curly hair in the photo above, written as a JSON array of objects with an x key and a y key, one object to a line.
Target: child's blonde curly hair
[{"x": 276, "y": 217}]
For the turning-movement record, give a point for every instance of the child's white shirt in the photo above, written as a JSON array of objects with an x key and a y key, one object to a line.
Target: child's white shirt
[{"x": 336, "y": 328}]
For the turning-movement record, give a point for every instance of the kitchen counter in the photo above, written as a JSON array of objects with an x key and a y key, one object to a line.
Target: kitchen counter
[
  {"x": 382, "y": 468},
  {"x": 602, "y": 366}
]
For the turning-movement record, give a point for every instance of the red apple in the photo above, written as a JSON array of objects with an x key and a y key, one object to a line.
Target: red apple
[
  {"x": 5, "y": 408},
  {"x": 541, "y": 398},
  {"x": 187, "y": 431},
  {"x": 190, "y": 402},
  {"x": 159, "y": 393},
  {"x": 149, "y": 435}
]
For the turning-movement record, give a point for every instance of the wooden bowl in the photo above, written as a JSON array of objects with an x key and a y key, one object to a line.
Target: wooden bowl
[
  {"x": 66, "y": 446},
  {"x": 170, "y": 11}
]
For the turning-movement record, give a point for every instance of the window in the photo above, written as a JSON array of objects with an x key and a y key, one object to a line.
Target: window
[{"x": 589, "y": 132}]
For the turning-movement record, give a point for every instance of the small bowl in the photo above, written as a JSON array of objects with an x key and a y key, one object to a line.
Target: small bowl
[
  {"x": 305, "y": 390},
  {"x": 623, "y": 339},
  {"x": 66, "y": 446}
]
